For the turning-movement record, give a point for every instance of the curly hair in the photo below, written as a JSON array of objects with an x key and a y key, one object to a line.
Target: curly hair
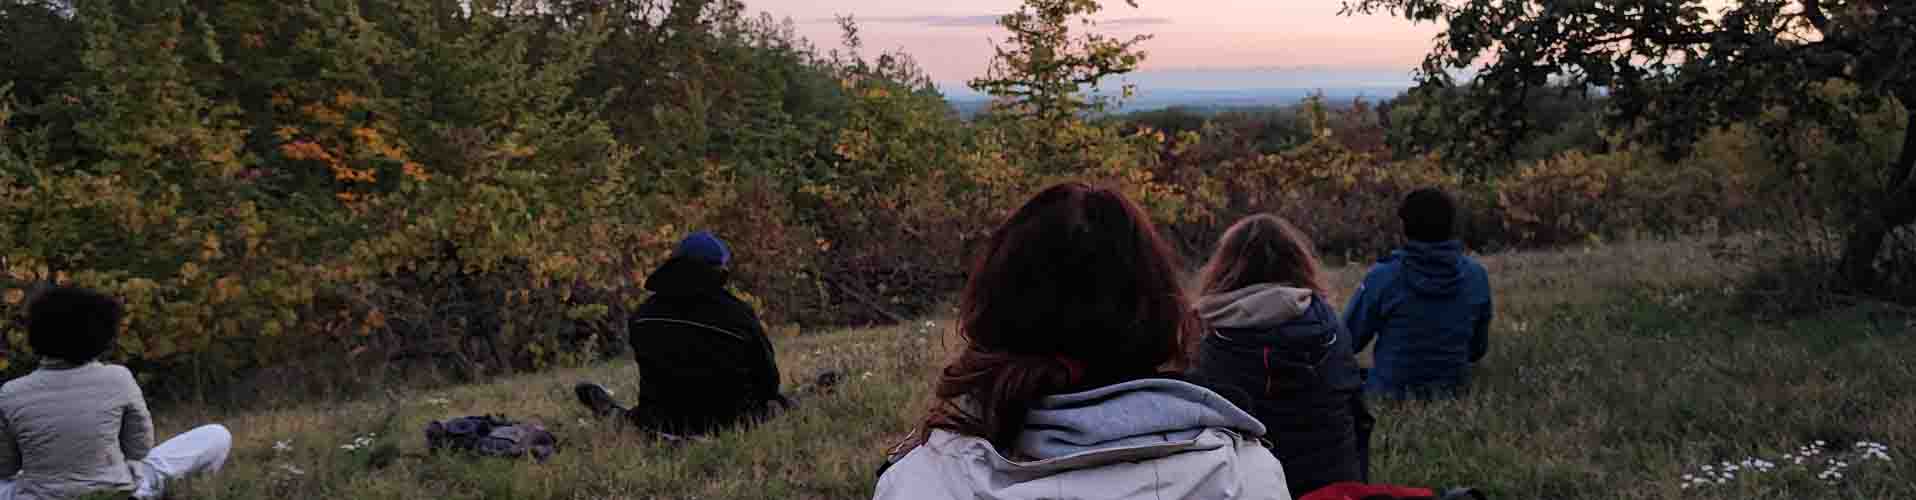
[{"x": 75, "y": 325}]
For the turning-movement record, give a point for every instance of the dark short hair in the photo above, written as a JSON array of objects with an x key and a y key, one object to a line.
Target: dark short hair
[
  {"x": 71, "y": 324},
  {"x": 1429, "y": 215}
]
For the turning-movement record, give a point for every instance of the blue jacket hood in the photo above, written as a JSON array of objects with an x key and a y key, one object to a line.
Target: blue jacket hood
[{"x": 1432, "y": 269}]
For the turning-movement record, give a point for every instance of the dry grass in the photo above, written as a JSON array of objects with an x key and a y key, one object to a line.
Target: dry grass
[{"x": 1614, "y": 370}]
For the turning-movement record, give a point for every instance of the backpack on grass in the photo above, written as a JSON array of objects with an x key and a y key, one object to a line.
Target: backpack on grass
[{"x": 491, "y": 436}]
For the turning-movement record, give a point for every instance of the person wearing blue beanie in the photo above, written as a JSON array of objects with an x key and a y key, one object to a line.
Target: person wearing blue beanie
[
  {"x": 705, "y": 362},
  {"x": 704, "y": 247}
]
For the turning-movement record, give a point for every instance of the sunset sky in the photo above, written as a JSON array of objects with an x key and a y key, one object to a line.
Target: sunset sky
[{"x": 952, "y": 38}]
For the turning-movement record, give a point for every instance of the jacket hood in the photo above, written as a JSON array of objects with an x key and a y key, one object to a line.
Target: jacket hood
[
  {"x": 1255, "y": 306},
  {"x": 1134, "y": 413},
  {"x": 683, "y": 276},
  {"x": 1433, "y": 269}
]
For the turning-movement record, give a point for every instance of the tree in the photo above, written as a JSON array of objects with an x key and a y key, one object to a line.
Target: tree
[
  {"x": 1434, "y": 120},
  {"x": 1045, "y": 83},
  {"x": 36, "y": 35},
  {"x": 1674, "y": 69},
  {"x": 1044, "y": 68}
]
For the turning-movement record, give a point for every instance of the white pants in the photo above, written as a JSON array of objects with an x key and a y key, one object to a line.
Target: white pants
[
  {"x": 201, "y": 450},
  {"x": 198, "y": 450}
]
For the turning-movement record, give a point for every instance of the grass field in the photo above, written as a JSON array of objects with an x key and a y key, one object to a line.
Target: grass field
[{"x": 1613, "y": 372}]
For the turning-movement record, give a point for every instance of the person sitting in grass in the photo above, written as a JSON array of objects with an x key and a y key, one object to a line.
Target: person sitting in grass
[
  {"x": 77, "y": 427},
  {"x": 1427, "y": 304},
  {"x": 705, "y": 363},
  {"x": 1066, "y": 386},
  {"x": 1274, "y": 336}
]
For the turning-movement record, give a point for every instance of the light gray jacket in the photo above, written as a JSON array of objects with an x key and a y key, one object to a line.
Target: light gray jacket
[
  {"x": 67, "y": 431},
  {"x": 1145, "y": 439}
]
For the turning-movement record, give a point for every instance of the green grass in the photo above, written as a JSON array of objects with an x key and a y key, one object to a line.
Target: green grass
[{"x": 1614, "y": 370}]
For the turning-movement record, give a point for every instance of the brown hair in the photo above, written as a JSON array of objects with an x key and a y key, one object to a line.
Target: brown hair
[
  {"x": 1262, "y": 248},
  {"x": 1076, "y": 290}
]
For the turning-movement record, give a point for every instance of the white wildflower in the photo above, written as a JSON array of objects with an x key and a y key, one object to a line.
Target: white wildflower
[
  {"x": 358, "y": 443},
  {"x": 282, "y": 446}
]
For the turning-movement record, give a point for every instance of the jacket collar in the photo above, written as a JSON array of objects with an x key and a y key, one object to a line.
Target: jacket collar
[{"x": 61, "y": 364}]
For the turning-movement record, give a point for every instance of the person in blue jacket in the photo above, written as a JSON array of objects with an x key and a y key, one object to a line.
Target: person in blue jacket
[{"x": 1427, "y": 304}]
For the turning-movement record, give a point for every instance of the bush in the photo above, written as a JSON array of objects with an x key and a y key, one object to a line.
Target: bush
[{"x": 337, "y": 193}]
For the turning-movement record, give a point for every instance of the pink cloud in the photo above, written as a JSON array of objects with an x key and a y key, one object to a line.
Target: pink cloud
[{"x": 954, "y": 45}]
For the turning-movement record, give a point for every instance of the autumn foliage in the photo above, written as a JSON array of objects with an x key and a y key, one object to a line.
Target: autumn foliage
[{"x": 319, "y": 195}]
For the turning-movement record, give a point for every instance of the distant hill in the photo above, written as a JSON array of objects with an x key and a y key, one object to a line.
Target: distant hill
[
  {"x": 1233, "y": 88},
  {"x": 1216, "y": 99}
]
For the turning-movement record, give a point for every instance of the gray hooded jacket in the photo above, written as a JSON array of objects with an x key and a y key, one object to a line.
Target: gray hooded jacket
[{"x": 1144, "y": 439}]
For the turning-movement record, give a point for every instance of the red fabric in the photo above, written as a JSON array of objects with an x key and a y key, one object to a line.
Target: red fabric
[
  {"x": 1360, "y": 491},
  {"x": 1267, "y": 371},
  {"x": 1072, "y": 368}
]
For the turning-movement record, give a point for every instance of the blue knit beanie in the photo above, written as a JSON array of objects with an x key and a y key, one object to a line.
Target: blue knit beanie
[{"x": 704, "y": 246}]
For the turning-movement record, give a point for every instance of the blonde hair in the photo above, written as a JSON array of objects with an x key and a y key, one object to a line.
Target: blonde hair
[{"x": 1262, "y": 248}]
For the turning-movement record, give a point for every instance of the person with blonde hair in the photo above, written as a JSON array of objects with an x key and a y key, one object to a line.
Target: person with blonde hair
[{"x": 1273, "y": 335}]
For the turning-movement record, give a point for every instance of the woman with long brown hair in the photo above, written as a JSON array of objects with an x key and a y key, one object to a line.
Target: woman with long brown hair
[
  {"x": 1273, "y": 335},
  {"x": 1074, "y": 323}
]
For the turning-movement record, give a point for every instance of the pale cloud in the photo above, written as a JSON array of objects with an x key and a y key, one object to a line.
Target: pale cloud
[
  {"x": 977, "y": 21},
  {"x": 933, "y": 21},
  {"x": 954, "y": 40},
  {"x": 1138, "y": 21}
]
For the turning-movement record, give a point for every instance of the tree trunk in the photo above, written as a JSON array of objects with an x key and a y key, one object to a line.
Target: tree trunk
[{"x": 1897, "y": 209}]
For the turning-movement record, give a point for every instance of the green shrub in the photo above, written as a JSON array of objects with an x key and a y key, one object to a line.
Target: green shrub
[{"x": 317, "y": 196}]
